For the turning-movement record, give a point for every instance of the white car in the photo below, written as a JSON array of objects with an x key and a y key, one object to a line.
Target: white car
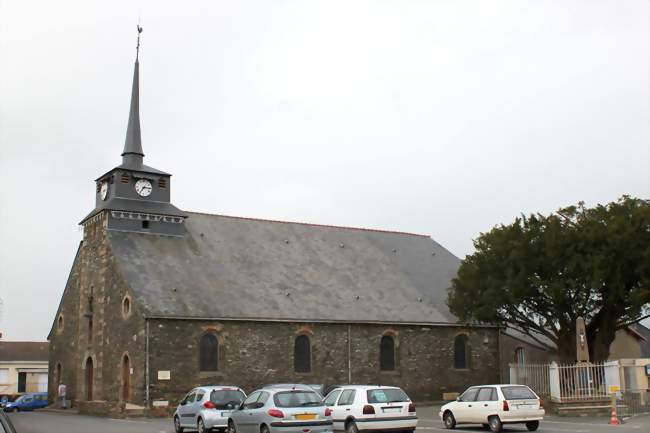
[
  {"x": 493, "y": 406},
  {"x": 371, "y": 407},
  {"x": 207, "y": 408}
]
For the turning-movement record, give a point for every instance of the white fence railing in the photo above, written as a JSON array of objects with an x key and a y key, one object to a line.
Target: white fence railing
[
  {"x": 564, "y": 383},
  {"x": 535, "y": 376}
]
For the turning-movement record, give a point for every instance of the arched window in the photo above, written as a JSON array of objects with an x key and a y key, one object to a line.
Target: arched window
[
  {"x": 209, "y": 353},
  {"x": 302, "y": 354},
  {"x": 461, "y": 352},
  {"x": 387, "y": 353},
  {"x": 520, "y": 356},
  {"x": 126, "y": 306},
  {"x": 58, "y": 374}
]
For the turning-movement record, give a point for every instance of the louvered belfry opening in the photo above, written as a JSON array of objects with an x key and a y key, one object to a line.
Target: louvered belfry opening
[
  {"x": 387, "y": 353},
  {"x": 302, "y": 354},
  {"x": 209, "y": 353}
]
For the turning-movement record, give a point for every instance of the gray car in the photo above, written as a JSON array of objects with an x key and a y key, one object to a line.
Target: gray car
[
  {"x": 207, "y": 408},
  {"x": 281, "y": 410}
]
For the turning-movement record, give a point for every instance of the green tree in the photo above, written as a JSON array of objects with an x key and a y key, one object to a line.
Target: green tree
[{"x": 540, "y": 273}]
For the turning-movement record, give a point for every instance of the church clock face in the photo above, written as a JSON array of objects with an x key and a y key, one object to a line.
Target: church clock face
[
  {"x": 103, "y": 190},
  {"x": 143, "y": 187}
]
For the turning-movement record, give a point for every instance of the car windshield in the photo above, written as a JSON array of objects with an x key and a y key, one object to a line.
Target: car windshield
[
  {"x": 297, "y": 398},
  {"x": 227, "y": 398},
  {"x": 517, "y": 392},
  {"x": 21, "y": 398},
  {"x": 387, "y": 395}
]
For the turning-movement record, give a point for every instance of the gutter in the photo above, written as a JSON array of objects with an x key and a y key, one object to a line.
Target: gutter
[{"x": 345, "y": 322}]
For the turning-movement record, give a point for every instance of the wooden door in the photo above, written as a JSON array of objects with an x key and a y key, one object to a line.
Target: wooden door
[
  {"x": 126, "y": 378},
  {"x": 89, "y": 379}
]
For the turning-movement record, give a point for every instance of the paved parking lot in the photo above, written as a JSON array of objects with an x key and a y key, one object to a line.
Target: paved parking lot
[{"x": 49, "y": 422}]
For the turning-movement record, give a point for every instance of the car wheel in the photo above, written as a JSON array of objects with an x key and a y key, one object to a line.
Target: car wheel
[
  {"x": 200, "y": 426},
  {"x": 177, "y": 425},
  {"x": 264, "y": 429},
  {"x": 351, "y": 427},
  {"x": 449, "y": 420},
  {"x": 231, "y": 427},
  {"x": 532, "y": 425},
  {"x": 495, "y": 424}
]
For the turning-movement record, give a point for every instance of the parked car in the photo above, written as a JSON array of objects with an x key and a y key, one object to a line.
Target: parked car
[
  {"x": 371, "y": 407},
  {"x": 27, "y": 402},
  {"x": 5, "y": 424},
  {"x": 207, "y": 408},
  {"x": 494, "y": 406},
  {"x": 278, "y": 409},
  {"x": 317, "y": 388}
]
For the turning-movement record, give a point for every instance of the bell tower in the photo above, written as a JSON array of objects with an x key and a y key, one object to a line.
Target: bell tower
[{"x": 136, "y": 197}]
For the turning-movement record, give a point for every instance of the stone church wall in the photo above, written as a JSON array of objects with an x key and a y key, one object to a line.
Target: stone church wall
[
  {"x": 252, "y": 354},
  {"x": 96, "y": 290}
]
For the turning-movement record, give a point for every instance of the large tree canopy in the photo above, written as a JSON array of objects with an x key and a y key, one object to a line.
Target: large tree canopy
[{"x": 540, "y": 273}]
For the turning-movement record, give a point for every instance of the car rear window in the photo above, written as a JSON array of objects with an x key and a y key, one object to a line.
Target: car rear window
[
  {"x": 389, "y": 395},
  {"x": 517, "y": 392},
  {"x": 227, "y": 398},
  {"x": 297, "y": 398}
]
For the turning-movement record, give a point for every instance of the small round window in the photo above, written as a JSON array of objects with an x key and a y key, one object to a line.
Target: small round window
[{"x": 126, "y": 306}]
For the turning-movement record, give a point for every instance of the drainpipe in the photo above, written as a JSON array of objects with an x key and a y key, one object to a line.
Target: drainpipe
[
  {"x": 146, "y": 363},
  {"x": 349, "y": 354}
]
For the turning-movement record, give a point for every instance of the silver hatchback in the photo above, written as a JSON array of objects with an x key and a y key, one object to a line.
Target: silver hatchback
[
  {"x": 281, "y": 410},
  {"x": 207, "y": 408}
]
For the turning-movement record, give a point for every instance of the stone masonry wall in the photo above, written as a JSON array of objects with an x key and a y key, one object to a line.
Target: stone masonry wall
[
  {"x": 256, "y": 353},
  {"x": 96, "y": 289}
]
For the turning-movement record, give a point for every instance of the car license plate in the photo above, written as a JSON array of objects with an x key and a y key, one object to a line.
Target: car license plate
[
  {"x": 303, "y": 416},
  {"x": 391, "y": 409},
  {"x": 525, "y": 406}
]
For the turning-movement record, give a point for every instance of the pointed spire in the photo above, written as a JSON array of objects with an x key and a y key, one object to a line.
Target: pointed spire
[{"x": 133, "y": 144}]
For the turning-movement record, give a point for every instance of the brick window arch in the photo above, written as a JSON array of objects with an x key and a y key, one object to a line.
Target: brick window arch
[
  {"x": 461, "y": 352},
  {"x": 302, "y": 354},
  {"x": 209, "y": 352},
  {"x": 387, "y": 353}
]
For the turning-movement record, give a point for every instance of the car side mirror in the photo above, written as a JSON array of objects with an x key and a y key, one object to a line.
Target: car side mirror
[
  {"x": 241, "y": 406},
  {"x": 183, "y": 401},
  {"x": 459, "y": 399}
]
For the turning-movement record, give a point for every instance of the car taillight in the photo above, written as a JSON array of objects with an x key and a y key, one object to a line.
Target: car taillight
[
  {"x": 209, "y": 405},
  {"x": 411, "y": 407},
  {"x": 275, "y": 413},
  {"x": 368, "y": 410},
  {"x": 541, "y": 403},
  {"x": 505, "y": 406},
  {"x": 328, "y": 411}
]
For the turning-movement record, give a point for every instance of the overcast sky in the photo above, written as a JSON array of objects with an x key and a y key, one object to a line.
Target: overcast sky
[{"x": 435, "y": 117}]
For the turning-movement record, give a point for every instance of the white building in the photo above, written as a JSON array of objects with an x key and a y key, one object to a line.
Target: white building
[{"x": 23, "y": 367}]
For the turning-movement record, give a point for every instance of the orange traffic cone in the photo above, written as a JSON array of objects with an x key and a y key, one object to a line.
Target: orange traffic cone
[{"x": 614, "y": 419}]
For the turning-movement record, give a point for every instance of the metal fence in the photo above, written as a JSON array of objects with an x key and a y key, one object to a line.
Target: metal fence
[
  {"x": 634, "y": 402},
  {"x": 580, "y": 382},
  {"x": 564, "y": 383},
  {"x": 535, "y": 376}
]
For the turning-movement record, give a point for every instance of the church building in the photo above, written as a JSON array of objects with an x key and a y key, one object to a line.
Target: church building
[{"x": 160, "y": 300}]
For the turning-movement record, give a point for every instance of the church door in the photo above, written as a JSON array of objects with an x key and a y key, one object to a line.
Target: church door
[
  {"x": 126, "y": 378},
  {"x": 89, "y": 379}
]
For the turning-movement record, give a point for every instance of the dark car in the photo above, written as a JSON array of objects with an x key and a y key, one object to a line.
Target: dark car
[
  {"x": 27, "y": 402},
  {"x": 5, "y": 424}
]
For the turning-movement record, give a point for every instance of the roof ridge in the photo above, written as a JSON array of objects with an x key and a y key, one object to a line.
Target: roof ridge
[{"x": 311, "y": 224}]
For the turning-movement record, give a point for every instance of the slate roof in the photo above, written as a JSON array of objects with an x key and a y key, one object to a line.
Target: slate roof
[
  {"x": 251, "y": 269},
  {"x": 644, "y": 340},
  {"x": 24, "y": 351}
]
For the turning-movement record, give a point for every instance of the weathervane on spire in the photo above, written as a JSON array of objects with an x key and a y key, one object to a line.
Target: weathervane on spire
[{"x": 137, "y": 48}]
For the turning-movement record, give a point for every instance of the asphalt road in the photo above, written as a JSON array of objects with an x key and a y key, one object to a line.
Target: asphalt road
[{"x": 50, "y": 422}]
